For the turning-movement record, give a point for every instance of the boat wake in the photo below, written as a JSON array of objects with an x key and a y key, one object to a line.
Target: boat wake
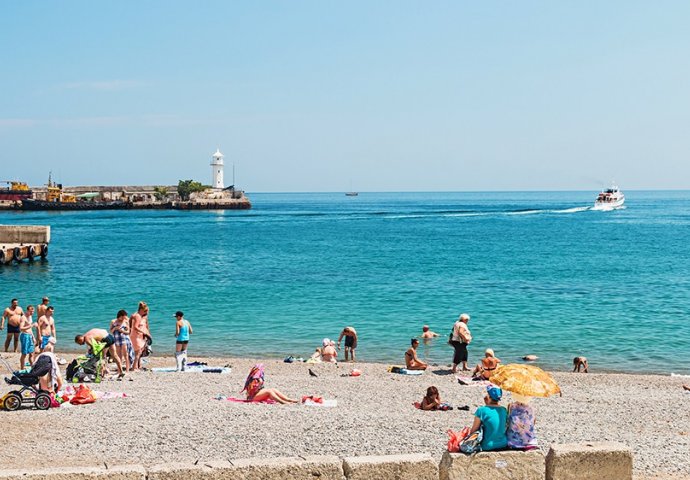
[
  {"x": 607, "y": 208},
  {"x": 257, "y": 216}
]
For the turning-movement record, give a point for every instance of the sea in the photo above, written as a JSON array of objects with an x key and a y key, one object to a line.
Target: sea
[{"x": 539, "y": 273}]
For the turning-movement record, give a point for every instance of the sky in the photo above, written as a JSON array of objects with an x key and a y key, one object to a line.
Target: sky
[{"x": 332, "y": 96}]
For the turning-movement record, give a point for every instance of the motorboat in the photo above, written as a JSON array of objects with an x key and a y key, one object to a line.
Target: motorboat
[{"x": 609, "y": 199}]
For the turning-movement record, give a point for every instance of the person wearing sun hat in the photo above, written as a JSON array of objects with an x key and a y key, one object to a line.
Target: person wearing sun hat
[{"x": 491, "y": 418}]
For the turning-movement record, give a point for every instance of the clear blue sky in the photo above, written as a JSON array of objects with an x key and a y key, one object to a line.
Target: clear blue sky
[{"x": 311, "y": 95}]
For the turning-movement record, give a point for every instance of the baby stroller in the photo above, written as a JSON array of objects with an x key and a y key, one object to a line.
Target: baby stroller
[
  {"x": 85, "y": 368},
  {"x": 29, "y": 393}
]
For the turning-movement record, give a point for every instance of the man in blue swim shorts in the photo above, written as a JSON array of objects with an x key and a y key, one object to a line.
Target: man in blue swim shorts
[
  {"x": 46, "y": 330},
  {"x": 26, "y": 337}
]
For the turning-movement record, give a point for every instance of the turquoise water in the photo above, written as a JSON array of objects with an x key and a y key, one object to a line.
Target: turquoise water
[{"x": 539, "y": 273}]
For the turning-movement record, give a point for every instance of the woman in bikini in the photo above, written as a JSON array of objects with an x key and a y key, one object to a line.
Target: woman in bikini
[
  {"x": 412, "y": 362},
  {"x": 486, "y": 367}
]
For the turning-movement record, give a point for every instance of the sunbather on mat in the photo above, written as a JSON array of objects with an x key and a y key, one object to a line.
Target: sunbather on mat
[{"x": 254, "y": 386}]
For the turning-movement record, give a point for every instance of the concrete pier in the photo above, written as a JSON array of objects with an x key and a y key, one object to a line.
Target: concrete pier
[{"x": 20, "y": 242}]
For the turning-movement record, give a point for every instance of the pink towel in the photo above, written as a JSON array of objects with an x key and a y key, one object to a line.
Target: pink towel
[{"x": 242, "y": 400}]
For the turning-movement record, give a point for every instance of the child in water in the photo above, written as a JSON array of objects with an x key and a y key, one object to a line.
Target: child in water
[{"x": 183, "y": 329}]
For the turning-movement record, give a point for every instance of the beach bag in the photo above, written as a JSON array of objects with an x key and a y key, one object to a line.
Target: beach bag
[
  {"x": 471, "y": 444},
  {"x": 255, "y": 381},
  {"x": 456, "y": 438},
  {"x": 83, "y": 396}
]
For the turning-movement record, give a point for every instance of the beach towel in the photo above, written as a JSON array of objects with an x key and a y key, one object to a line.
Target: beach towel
[
  {"x": 404, "y": 371},
  {"x": 444, "y": 407},
  {"x": 242, "y": 400},
  {"x": 195, "y": 369}
]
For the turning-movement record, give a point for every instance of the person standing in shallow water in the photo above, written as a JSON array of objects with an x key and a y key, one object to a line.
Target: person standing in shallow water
[
  {"x": 183, "y": 329},
  {"x": 460, "y": 338},
  {"x": 350, "y": 342}
]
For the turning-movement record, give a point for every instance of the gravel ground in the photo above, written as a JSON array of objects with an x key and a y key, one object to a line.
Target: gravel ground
[{"x": 173, "y": 417}]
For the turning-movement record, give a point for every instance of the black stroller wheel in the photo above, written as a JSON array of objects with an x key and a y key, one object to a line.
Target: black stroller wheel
[
  {"x": 42, "y": 401},
  {"x": 13, "y": 401}
]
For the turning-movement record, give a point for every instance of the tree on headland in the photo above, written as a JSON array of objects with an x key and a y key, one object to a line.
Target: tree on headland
[
  {"x": 186, "y": 187},
  {"x": 161, "y": 193}
]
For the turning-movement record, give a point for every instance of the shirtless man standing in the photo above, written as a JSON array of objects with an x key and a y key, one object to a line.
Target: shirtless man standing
[
  {"x": 26, "y": 337},
  {"x": 103, "y": 336},
  {"x": 13, "y": 314},
  {"x": 42, "y": 307},
  {"x": 46, "y": 331},
  {"x": 350, "y": 341}
]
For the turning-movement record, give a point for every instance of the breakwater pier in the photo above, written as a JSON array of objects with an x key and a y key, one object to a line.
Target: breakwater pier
[{"x": 23, "y": 242}]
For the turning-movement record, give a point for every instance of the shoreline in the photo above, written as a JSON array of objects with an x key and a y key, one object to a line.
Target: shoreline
[
  {"x": 171, "y": 417},
  {"x": 280, "y": 357}
]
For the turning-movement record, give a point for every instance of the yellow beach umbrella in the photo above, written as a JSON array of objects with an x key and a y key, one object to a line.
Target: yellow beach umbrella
[{"x": 526, "y": 380}]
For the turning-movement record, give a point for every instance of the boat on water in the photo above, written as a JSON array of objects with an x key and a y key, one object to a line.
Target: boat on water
[
  {"x": 351, "y": 194},
  {"x": 15, "y": 191},
  {"x": 609, "y": 199},
  {"x": 56, "y": 200}
]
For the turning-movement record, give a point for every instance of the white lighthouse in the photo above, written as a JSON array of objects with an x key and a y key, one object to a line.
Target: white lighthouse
[{"x": 217, "y": 170}]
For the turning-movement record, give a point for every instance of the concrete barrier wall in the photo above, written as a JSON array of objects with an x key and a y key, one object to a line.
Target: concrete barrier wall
[
  {"x": 564, "y": 462},
  {"x": 493, "y": 465},
  {"x": 24, "y": 234},
  {"x": 591, "y": 461}
]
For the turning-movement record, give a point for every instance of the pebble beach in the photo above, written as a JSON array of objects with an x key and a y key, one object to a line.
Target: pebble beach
[{"x": 174, "y": 417}]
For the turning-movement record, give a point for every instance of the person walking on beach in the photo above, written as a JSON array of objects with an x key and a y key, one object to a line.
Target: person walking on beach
[
  {"x": 412, "y": 362},
  {"x": 13, "y": 314},
  {"x": 139, "y": 333},
  {"x": 350, "y": 341},
  {"x": 27, "y": 340},
  {"x": 119, "y": 328},
  {"x": 103, "y": 336},
  {"x": 46, "y": 331},
  {"x": 183, "y": 329},
  {"x": 460, "y": 338}
]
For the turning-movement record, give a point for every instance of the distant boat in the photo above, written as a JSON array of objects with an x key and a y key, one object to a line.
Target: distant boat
[
  {"x": 16, "y": 191},
  {"x": 351, "y": 194},
  {"x": 609, "y": 199}
]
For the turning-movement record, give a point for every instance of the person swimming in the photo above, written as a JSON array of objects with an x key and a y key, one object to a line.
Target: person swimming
[{"x": 427, "y": 334}]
